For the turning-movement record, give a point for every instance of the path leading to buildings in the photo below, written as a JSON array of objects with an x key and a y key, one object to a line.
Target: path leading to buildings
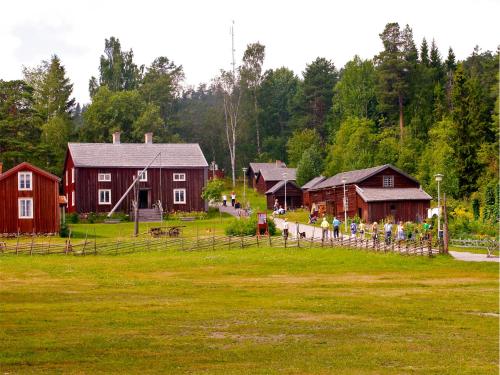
[{"x": 472, "y": 257}]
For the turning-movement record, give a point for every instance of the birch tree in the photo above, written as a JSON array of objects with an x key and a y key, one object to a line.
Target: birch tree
[{"x": 228, "y": 86}]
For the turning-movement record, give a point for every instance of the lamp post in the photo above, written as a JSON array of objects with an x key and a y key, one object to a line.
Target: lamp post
[
  {"x": 244, "y": 186},
  {"x": 285, "y": 175},
  {"x": 345, "y": 205},
  {"x": 439, "y": 178}
]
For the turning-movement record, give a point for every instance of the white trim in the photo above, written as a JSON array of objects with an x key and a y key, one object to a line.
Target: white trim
[
  {"x": 99, "y": 196},
  {"x": 72, "y": 175},
  {"x": 21, "y": 177},
  {"x": 143, "y": 177},
  {"x": 179, "y": 177},
  {"x": 176, "y": 201},
  {"x": 104, "y": 177},
  {"x": 20, "y": 208},
  {"x": 66, "y": 179},
  {"x": 73, "y": 198}
]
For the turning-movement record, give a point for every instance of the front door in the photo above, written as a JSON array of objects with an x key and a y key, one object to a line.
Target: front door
[{"x": 143, "y": 198}]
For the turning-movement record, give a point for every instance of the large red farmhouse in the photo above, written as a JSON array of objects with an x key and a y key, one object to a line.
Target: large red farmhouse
[
  {"x": 372, "y": 194},
  {"x": 96, "y": 175},
  {"x": 29, "y": 199}
]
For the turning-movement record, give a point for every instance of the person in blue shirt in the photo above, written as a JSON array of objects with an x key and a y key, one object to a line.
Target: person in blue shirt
[
  {"x": 354, "y": 229},
  {"x": 336, "y": 224}
]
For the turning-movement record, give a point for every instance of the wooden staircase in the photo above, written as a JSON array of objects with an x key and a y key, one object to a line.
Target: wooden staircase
[{"x": 149, "y": 215}]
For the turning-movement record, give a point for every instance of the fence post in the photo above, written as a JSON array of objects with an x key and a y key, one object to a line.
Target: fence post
[
  {"x": 213, "y": 239},
  {"x": 48, "y": 248},
  {"x": 32, "y": 240},
  {"x": 257, "y": 241},
  {"x": 241, "y": 238},
  {"x": 229, "y": 242},
  {"x": 95, "y": 243},
  {"x": 17, "y": 243}
]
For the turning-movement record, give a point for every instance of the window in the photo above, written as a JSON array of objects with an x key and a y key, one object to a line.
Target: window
[
  {"x": 66, "y": 179},
  {"x": 179, "y": 177},
  {"x": 73, "y": 198},
  {"x": 179, "y": 196},
  {"x": 104, "y": 196},
  {"x": 25, "y": 208},
  {"x": 24, "y": 180},
  {"x": 143, "y": 176},
  {"x": 72, "y": 175},
  {"x": 103, "y": 177},
  {"x": 388, "y": 181}
]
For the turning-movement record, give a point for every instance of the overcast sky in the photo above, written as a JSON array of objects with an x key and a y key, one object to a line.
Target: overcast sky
[{"x": 195, "y": 34}]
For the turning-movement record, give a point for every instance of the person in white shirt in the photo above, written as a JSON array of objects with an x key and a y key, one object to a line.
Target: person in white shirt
[
  {"x": 388, "y": 232},
  {"x": 233, "y": 198},
  {"x": 285, "y": 228},
  {"x": 224, "y": 200}
]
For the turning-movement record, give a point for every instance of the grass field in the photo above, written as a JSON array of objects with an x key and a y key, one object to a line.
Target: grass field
[{"x": 264, "y": 311}]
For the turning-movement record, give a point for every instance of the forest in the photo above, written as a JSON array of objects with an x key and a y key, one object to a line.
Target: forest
[{"x": 412, "y": 105}]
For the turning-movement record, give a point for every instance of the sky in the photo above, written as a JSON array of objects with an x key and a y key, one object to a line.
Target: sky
[{"x": 196, "y": 34}]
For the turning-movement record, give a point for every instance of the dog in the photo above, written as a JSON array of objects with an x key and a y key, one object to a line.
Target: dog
[{"x": 302, "y": 234}]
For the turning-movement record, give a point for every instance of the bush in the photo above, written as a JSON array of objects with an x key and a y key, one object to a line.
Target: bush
[
  {"x": 247, "y": 227},
  {"x": 64, "y": 230},
  {"x": 73, "y": 218}
]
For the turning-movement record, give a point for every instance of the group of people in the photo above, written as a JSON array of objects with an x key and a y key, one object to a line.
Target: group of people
[
  {"x": 233, "y": 200},
  {"x": 278, "y": 209}
]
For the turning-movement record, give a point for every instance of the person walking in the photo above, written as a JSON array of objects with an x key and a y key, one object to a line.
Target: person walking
[
  {"x": 336, "y": 224},
  {"x": 388, "y": 232},
  {"x": 354, "y": 229},
  {"x": 224, "y": 200},
  {"x": 362, "y": 229},
  {"x": 233, "y": 198},
  {"x": 325, "y": 226},
  {"x": 285, "y": 229},
  {"x": 401, "y": 231},
  {"x": 374, "y": 231}
]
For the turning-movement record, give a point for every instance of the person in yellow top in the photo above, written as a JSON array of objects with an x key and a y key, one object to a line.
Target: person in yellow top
[
  {"x": 325, "y": 226},
  {"x": 362, "y": 229}
]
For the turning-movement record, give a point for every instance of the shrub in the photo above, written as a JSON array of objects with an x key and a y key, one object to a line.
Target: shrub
[
  {"x": 64, "y": 230},
  {"x": 247, "y": 227},
  {"x": 73, "y": 218}
]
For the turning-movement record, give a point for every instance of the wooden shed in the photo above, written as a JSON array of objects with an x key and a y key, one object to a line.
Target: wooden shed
[
  {"x": 29, "y": 201},
  {"x": 254, "y": 169},
  {"x": 293, "y": 195},
  {"x": 373, "y": 194},
  {"x": 267, "y": 178}
]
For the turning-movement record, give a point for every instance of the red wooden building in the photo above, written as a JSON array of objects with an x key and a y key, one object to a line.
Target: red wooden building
[
  {"x": 254, "y": 169},
  {"x": 96, "y": 175},
  {"x": 372, "y": 194},
  {"x": 293, "y": 195},
  {"x": 307, "y": 186},
  {"x": 29, "y": 200},
  {"x": 268, "y": 177}
]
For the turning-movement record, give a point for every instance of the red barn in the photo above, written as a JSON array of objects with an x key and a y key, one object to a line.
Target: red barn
[
  {"x": 372, "y": 194},
  {"x": 96, "y": 175},
  {"x": 268, "y": 177},
  {"x": 29, "y": 199},
  {"x": 254, "y": 170}
]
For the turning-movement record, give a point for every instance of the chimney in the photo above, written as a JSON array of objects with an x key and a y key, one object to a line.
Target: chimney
[
  {"x": 116, "y": 138},
  {"x": 148, "y": 138}
]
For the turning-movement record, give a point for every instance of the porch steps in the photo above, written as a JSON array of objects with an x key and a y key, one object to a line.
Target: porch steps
[{"x": 149, "y": 215}]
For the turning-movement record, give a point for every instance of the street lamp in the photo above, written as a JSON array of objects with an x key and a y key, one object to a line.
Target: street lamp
[
  {"x": 345, "y": 205},
  {"x": 244, "y": 187},
  {"x": 285, "y": 175},
  {"x": 439, "y": 178}
]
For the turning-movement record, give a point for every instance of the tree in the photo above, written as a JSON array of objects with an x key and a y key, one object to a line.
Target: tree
[
  {"x": 229, "y": 88},
  {"x": 213, "y": 190},
  {"x": 313, "y": 99},
  {"x": 394, "y": 65},
  {"x": 309, "y": 166},
  {"x": 424, "y": 53},
  {"x": 251, "y": 73},
  {"x": 301, "y": 140},
  {"x": 117, "y": 69},
  {"x": 353, "y": 147}
]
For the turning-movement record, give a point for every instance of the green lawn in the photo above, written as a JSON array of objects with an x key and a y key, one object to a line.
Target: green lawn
[{"x": 264, "y": 311}]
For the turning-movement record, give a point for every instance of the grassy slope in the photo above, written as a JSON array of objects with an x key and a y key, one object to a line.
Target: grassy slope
[{"x": 253, "y": 311}]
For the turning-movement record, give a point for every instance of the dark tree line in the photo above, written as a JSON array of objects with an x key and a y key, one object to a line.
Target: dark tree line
[{"x": 409, "y": 105}]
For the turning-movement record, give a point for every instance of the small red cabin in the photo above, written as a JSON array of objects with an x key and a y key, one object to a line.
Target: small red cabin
[{"x": 29, "y": 199}]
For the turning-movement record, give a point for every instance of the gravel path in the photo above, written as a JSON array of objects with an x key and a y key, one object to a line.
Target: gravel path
[{"x": 471, "y": 257}]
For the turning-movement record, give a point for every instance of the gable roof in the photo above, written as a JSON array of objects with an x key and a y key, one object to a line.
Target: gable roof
[
  {"x": 279, "y": 185},
  {"x": 313, "y": 182},
  {"x": 276, "y": 174},
  {"x": 391, "y": 194},
  {"x": 27, "y": 166},
  {"x": 137, "y": 155},
  {"x": 356, "y": 176},
  {"x": 256, "y": 167}
]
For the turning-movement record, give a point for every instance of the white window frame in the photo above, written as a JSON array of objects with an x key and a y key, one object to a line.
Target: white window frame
[
  {"x": 175, "y": 196},
  {"x": 99, "y": 197},
  {"x": 21, "y": 176},
  {"x": 73, "y": 198},
  {"x": 179, "y": 177},
  {"x": 104, "y": 177},
  {"x": 72, "y": 175},
  {"x": 388, "y": 181},
  {"x": 143, "y": 177},
  {"x": 66, "y": 177},
  {"x": 20, "y": 213}
]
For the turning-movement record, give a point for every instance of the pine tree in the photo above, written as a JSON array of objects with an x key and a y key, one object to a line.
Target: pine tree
[{"x": 424, "y": 53}]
